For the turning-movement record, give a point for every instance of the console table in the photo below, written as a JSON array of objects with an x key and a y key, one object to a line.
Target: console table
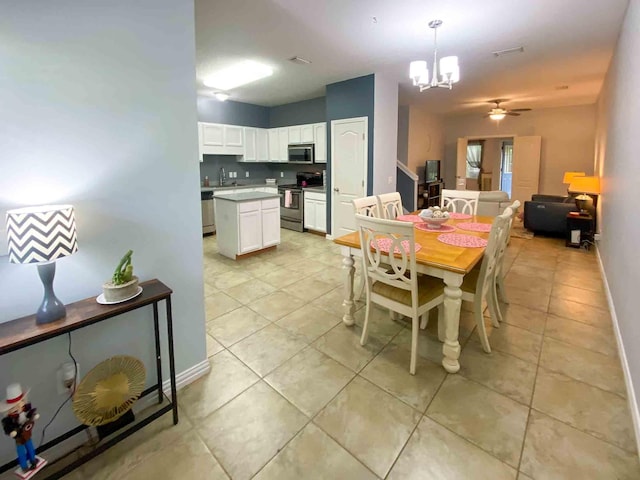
[{"x": 24, "y": 332}]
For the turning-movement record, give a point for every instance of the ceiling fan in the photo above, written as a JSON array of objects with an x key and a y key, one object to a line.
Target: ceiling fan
[{"x": 498, "y": 113}]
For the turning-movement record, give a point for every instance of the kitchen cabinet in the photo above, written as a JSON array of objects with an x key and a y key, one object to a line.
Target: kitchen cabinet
[
  {"x": 274, "y": 144},
  {"x": 246, "y": 222},
  {"x": 306, "y": 133},
  {"x": 315, "y": 211},
  {"x": 320, "y": 140},
  {"x": 283, "y": 144},
  {"x": 250, "y": 145},
  {"x": 295, "y": 135},
  {"x": 262, "y": 145},
  {"x": 218, "y": 139}
]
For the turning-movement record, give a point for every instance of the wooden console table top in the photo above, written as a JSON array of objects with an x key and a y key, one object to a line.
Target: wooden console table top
[{"x": 24, "y": 331}]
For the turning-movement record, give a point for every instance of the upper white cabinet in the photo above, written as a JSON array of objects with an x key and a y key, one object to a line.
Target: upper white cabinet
[
  {"x": 262, "y": 145},
  {"x": 217, "y": 139},
  {"x": 306, "y": 133},
  {"x": 283, "y": 144},
  {"x": 256, "y": 145},
  {"x": 274, "y": 145},
  {"x": 320, "y": 140},
  {"x": 295, "y": 135}
]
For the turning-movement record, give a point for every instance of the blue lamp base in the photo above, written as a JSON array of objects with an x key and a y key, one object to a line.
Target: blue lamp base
[{"x": 51, "y": 309}]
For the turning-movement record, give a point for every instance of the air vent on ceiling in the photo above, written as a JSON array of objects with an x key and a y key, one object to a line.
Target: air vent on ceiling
[
  {"x": 562, "y": 87},
  {"x": 299, "y": 60},
  {"x": 508, "y": 51}
]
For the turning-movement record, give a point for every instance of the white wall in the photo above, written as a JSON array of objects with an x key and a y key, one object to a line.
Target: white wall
[
  {"x": 618, "y": 144},
  {"x": 567, "y": 133},
  {"x": 426, "y": 138},
  {"x": 385, "y": 134},
  {"x": 99, "y": 111}
]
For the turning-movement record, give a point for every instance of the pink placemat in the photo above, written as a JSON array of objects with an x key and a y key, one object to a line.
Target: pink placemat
[
  {"x": 475, "y": 227},
  {"x": 461, "y": 240},
  {"x": 385, "y": 243},
  {"x": 442, "y": 229},
  {"x": 460, "y": 216},
  {"x": 409, "y": 218}
]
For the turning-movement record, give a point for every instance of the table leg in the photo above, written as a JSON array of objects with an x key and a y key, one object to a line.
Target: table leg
[
  {"x": 156, "y": 328},
  {"x": 452, "y": 303},
  {"x": 348, "y": 303},
  {"x": 172, "y": 365}
]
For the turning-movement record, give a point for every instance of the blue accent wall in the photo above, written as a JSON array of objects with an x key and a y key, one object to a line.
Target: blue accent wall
[
  {"x": 349, "y": 99},
  {"x": 232, "y": 113},
  {"x": 298, "y": 113}
]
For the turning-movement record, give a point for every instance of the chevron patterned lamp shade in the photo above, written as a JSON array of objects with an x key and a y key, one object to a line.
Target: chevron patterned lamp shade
[{"x": 41, "y": 235}]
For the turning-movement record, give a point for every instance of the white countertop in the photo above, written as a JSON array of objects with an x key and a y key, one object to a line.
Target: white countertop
[
  {"x": 245, "y": 196},
  {"x": 233, "y": 187}
]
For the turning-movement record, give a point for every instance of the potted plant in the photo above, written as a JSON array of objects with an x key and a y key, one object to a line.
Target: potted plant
[{"x": 123, "y": 284}]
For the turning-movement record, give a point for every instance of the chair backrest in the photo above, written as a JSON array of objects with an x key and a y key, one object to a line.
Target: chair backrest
[
  {"x": 379, "y": 239},
  {"x": 368, "y": 206},
  {"x": 390, "y": 205},
  {"x": 461, "y": 201},
  {"x": 497, "y": 239},
  {"x": 505, "y": 241}
]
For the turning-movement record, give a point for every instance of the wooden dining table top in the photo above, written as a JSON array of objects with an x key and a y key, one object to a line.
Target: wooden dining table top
[{"x": 434, "y": 253}]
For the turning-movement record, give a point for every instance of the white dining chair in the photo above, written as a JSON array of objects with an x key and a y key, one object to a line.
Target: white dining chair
[
  {"x": 368, "y": 206},
  {"x": 479, "y": 283},
  {"x": 461, "y": 201},
  {"x": 392, "y": 281},
  {"x": 390, "y": 205},
  {"x": 499, "y": 291}
]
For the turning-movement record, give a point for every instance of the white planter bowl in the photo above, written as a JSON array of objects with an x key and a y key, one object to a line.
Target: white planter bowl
[
  {"x": 117, "y": 293},
  {"x": 435, "y": 223}
]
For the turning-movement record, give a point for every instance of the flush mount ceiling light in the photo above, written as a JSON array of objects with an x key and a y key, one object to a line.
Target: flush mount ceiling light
[
  {"x": 221, "y": 96},
  {"x": 449, "y": 68},
  {"x": 237, "y": 75}
]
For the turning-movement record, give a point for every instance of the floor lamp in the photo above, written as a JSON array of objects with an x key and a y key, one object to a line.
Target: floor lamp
[{"x": 40, "y": 235}]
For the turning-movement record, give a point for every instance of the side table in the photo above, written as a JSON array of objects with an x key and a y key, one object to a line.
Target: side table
[{"x": 579, "y": 231}]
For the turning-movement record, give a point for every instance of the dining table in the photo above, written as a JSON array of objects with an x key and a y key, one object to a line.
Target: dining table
[{"x": 448, "y": 262}]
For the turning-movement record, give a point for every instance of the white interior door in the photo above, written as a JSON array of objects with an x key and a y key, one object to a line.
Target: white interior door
[
  {"x": 526, "y": 167},
  {"x": 461, "y": 164},
  {"x": 348, "y": 171}
]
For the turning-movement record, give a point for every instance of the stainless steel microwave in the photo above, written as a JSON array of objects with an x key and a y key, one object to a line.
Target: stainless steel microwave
[{"x": 301, "y": 153}]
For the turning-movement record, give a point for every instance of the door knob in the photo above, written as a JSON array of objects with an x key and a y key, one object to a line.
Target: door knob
[{"x": 336, "y": 189}]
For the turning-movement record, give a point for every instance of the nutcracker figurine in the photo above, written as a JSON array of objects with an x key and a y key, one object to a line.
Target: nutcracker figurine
[{"x": 18, "y": 424}]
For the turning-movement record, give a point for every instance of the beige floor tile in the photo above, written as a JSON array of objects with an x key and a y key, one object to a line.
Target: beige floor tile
[
  {"x": 523, "y": 317},
  {"x": 280, "y": 277},
  {"x": 213, "y": 346},
  {"x": 534, "y": 300},
  {"x": 528, "y": 258},
  {"x": 527, "y": 283},
  {"x": 309, "y": 322},
  {"x": 267, "y": 349},
  {"x": 555, "y": 450},
  {"x": 267, "y": 423},
  {"x": 580, "y": 295},
  {"x": 371, "y": 424},
  {"x": 487, "y": 419},
  {"x": 390, "y": 371},
  {"x": 307, "y": 267},
  {"x": 587, "y": 366},
  {"x": 250, "y": 290},
  {"x": 579, "y": 277},
  {"x": 232, "y": 327},
  {"x": 230, "y": 279},
  {"x": 580, "y": 312},
  {"x": 331, "y": 275},
  {"x": 308, "y": 289},
  {"x": 433, "y": 452},
  {"x": 332, "y": 301},
  {"x": 522, "y": 476},
  {"x": 515, "y": 341},
  {"x": 227, "y": 378},
  {"x": 260, "y": 269},
  {"x": 276, "y": 305},
  {"x": 159, "y": 450},
  {"x": 429, "y": 347},
  {"x": 503, "y": 373},
  {"x": 309, "y": 380},
  {"x": 313, "y": 455},
  {"x": 590, "y": 409},
  {"x": 218, "y": 304},
  {"x": 381, "y": 325},
  {"x": 209, "y": 289},
  {"x": 582, "y": 335},
  {"x": 342, "y": 343},
  {"x": 532, "y": 272}
]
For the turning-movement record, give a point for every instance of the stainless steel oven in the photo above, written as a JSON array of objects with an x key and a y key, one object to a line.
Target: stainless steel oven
[
  {"x": 291, "y": 207},
  {"x": 301, "y": 153}
]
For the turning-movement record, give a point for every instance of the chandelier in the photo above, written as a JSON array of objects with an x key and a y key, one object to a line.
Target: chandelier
[{"x": 449, "y": 69}]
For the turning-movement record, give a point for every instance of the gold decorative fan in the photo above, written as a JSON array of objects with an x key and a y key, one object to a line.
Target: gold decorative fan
[{"x": 109, "y": 390}]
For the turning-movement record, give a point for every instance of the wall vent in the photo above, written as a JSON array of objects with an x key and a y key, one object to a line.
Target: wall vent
[
  {"x": 508, "y": 51},
  {"x": 299, "y": 60}
]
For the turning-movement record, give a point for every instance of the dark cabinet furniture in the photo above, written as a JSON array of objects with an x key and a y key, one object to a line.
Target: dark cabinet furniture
[
  {"x": 429, "y": 194},
  {"x": 580, "y": 229}
]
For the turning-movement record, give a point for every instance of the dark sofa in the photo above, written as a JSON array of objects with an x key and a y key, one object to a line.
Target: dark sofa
[{"x": 548, "y": 213}]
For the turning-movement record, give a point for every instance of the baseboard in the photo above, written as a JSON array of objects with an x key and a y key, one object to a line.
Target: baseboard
[
  {"x": 188, "y": 376},
  {"x": 631, "y": 395}
]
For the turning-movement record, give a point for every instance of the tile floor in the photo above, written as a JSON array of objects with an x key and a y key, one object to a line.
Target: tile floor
[{"x": 292, "y": 395}]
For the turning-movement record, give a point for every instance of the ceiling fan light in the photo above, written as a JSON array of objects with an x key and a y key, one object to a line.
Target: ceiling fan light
[
  {"x": 496, "y": 116},
  {"x": 448, "y": 65},
  {"x": 417, "y": 68}
]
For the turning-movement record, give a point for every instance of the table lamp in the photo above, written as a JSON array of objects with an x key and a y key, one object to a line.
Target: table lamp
[
  {"x": 568, "y": 176},
  {"x": 585, "y": 186},
  {"x": 41, "y": 235}
]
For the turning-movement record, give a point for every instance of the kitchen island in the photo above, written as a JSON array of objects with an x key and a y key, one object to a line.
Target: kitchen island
[{"x": 246, "y": 222}]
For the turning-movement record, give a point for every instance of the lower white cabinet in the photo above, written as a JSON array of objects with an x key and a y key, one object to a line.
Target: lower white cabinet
[
  {"x": 246, "y": 226},
  {"x": 315, "y": 211}
]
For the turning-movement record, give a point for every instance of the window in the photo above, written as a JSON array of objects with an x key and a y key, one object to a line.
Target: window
[
  {"x": 474, "y": 159},
  {"x": 507, "y": 158}
]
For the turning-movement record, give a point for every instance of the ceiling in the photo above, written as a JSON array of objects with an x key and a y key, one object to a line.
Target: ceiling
[{"x": 566, "y": 42}]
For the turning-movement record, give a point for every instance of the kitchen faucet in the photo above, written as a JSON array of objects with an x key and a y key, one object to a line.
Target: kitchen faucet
[{"x": 222, "y": 177}]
